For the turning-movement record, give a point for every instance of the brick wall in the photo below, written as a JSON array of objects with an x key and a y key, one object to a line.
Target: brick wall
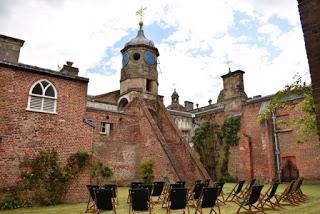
[
  {"x": 259, "y": 160},
  {"x": 310, "y": 21},
  {"x": 25, "y": 133}
]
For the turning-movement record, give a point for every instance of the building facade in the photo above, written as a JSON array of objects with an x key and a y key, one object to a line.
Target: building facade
[{"x": 42, "y": 109}]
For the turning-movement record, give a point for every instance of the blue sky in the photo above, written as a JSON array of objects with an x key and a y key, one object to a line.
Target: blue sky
[{"x": 197, "y": 41}]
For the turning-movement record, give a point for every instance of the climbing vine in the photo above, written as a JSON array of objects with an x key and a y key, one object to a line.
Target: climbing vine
[
  {"x": 207, "y": 141},
  {"x": 100, "y": 172},
  {"x": 230, "y": 129},
  {"x": 44, "y": 181},
  {"x": 307, "y": 123},
  {"x": 213, "y": 143}
]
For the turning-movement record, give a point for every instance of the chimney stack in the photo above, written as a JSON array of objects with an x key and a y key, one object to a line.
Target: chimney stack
[
  {"x": 10, "y": 48},
  {"x": 68, "y": 69},
  {"x": 188, "y": 105}
]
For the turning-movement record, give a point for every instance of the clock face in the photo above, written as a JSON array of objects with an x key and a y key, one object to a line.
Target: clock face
[
  {"x": 125, "y": 59},
  {"x": 150, "y": 58}
]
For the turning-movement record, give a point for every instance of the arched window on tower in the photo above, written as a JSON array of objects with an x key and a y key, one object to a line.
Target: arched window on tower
[{"x": 42, "y": 97}]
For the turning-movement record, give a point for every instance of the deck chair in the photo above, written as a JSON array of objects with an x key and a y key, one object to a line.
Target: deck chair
[
  {"x": 196, "y": 193},
  {"x": 178, "y": 200},
  {"x": 104, "y": 200},
  {"x": 220, "y": 191},
  {"x": 166, "y": 196},
  {"x": 286, "y": 196},
  {"x": 296, "y": 192},
  {"x": 250, "y": 199},
  {"x": 183, "y": 183},
  {"x": 247, "y": 188},
  {"x": 139, "y": 201},
  {"x": 149, "y": 187},
  {"x": 91, "y": 208},
  {"x": 302, "y": 195},
  {"x": 208, "y": 199},
  {"x": 266, "y": 199},
  {"x": 133, "y": 185},
  {"x": 158, "y": 187},
  {"x": 235, "y": 191},
  {"x": 197, "y": 181},
  {"x": 114, "y": 189},
  {"x": 207, "y": 182}
]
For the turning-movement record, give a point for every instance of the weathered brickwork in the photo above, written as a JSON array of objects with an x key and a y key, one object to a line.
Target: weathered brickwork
[
  {"x": 25, "y": 133},
  {"x": 309, "y": 16}
]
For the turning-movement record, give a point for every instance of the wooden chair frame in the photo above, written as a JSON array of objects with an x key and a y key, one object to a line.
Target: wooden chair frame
[
  {"x": 245, "y": 202},
  {"x": 199, "y": 203}
]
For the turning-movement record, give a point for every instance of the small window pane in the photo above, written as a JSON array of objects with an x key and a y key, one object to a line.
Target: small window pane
[
  {"x": 105, "y": 128},
  {"x": 37, "y": 89},
  {"x": 35, "y": 103},
  {"x": 50, "y": 92},
  {"x": 48, "y": 105},
  {"x": 44, "y": 83}
]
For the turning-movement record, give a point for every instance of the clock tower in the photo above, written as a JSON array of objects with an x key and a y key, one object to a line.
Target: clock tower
[{"x": 139, "y": 75}]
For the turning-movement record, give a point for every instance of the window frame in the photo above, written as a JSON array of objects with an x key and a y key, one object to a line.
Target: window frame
[
  {"x": 105, "y": 132},
  {"x": 43, "y": 97}
]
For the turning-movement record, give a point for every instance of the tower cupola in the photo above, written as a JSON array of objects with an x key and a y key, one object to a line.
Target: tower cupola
[{"x": 139, "y": 75}]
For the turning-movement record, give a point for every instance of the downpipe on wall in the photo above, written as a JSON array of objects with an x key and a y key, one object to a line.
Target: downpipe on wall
[{"x": 277, "y": 147}]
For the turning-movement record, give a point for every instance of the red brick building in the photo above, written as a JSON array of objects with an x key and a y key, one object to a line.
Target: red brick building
[{"x": 42, "y": 108}]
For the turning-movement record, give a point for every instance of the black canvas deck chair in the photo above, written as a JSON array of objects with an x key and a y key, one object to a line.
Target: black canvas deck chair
[
  {"x": 182, "y": 183},
  {"x": 114, "y": 189},
  {"x": 133, "y": 185},
  {"x": 196, "y": 193},
  {"x": 266, "y": 199},
  {"x": 158, "y": 187},
  {"x": 250, "y": 199},
  {"x": 302, "y": 195},
  {"x": 139, "y": 201},
  {"x": 208, "y": 199},
  {"x": 178, "y": 200},
  {"x": 207, "y": 182},
  {"x": 296, "y": 192},
  {"x": 220, "y": 186},
  {"x": 247, "y": 188},
  {"x": 104, "y": 200},
  {"x": 286, "y": 195},
  {"x": 149, "y": 187},
  {"x": 91, "y": 208},
  {"x": 235, "y": 192},
  {"x": 166, "y": 196}
]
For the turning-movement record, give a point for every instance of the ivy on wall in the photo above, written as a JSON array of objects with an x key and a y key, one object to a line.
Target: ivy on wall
[
  {"x": 44, "y": 181},
  {"x": 307, "y": 123},
  {"x": 206, "y": 140},
  {"x": 230, "y": 129},
  {"x": 213, "y": 143}
]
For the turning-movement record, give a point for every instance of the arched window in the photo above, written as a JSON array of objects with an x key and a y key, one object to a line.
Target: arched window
[{"x": 42, "y": 97}]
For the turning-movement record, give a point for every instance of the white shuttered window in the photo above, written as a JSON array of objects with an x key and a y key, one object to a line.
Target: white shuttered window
[{"x": 42, "y": 97}]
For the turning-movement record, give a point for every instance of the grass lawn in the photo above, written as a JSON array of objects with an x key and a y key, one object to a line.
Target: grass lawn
[{"x": 311, "y": 206}]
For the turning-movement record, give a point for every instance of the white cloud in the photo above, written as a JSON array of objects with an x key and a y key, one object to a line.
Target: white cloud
[{"x": 83, "y": 31}]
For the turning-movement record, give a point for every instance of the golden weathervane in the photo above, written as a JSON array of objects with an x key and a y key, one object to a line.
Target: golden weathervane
[{"x": 141, "y": 14}]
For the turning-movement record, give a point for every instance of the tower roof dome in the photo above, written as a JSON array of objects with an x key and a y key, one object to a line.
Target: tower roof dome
[{"x": 140, "y": 39}]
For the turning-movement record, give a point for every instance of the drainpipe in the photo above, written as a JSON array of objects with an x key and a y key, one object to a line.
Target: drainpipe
[{"x": 277, "y": 147}]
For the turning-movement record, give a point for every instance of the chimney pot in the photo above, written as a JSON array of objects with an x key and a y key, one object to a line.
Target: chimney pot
[{"x": 69, "y": 63}]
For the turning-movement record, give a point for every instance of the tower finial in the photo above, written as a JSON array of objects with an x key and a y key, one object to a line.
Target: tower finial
[
  {"x": 229, "y": 62},
  {"x": 140, "y": 13}
]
